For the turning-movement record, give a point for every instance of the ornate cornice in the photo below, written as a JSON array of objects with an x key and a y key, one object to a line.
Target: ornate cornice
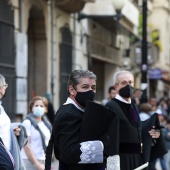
[{"x": 70, "y": 6}]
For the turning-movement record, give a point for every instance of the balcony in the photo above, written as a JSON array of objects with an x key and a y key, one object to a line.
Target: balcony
[{"x": 71, "y": 6}]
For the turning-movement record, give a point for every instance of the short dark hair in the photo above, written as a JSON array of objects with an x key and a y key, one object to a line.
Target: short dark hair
[
  {"x": 111, "y": 88},
  {"x": 75, "y": 76},
  {"x": 145, "y": 107},
  {"x": 136, "y": 89}
]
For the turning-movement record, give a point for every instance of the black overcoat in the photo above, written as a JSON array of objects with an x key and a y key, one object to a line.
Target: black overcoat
[{"x": 134, "y": 142}]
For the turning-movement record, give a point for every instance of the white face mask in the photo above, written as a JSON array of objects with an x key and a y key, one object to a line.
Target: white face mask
[{"x": 38, "y": 111}]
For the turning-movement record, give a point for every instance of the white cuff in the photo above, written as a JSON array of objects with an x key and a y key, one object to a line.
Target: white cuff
[
  {"x": 92, "y": 152},
  {"x": 113, "y": 162}
]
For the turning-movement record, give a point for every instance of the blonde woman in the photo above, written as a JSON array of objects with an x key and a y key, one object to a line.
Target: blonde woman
[{"x": 38, "y": 130}]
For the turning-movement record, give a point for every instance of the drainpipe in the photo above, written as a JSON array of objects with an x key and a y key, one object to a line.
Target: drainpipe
[
  {"x": 144, "y": 53},
  {"x": 20, "y": 16},
  {"x": 74, "y": 42},
  {"x": 52, "y": 6}
]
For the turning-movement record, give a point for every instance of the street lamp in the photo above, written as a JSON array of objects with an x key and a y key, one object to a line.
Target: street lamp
[
  {"x": 117, "y": 4},
  {"x": 144, "y": 65}
]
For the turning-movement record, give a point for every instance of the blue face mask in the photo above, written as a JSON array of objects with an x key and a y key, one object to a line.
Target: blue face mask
[{"x": 38, "y": 111}]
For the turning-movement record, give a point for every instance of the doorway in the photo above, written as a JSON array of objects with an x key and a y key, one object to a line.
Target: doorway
[{"x": 37, "y": 52}]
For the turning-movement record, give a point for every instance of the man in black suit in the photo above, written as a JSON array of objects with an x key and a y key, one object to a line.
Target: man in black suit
[
  {"x": 72, "y": 153},
  {"x": 138, "y": 142}
]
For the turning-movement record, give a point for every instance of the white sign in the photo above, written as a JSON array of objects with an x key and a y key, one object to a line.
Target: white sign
[
  {"x": 21, "y": 55},
  {"x": 21, "y": 93},
  {"x": 22, "y": 107},
  {"x": 21, "y": 96}
]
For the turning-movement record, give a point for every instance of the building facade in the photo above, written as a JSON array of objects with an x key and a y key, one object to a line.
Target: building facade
[
  {"x": 50, "y": 38},
  {"x": 158, "y": 27},
  {"x": 107, "y": 37},
  {"x": 39, "y": 36}
]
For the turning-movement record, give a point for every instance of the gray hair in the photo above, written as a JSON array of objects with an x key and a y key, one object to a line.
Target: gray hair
[
  {"x": 118, "y": 73},
  {"x": 2, "y": 80},
  {"x": 75, "y": 76}
]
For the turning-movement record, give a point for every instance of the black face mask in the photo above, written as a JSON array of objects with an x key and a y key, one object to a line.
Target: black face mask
[
  {"x": 83, "y": 97},
  {"x": 126, "y": 91}
]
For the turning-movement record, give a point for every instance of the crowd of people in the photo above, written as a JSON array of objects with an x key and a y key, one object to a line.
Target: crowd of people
[
  {"x": 162, "y": 108},
  {"x": 119, "y": 134}
]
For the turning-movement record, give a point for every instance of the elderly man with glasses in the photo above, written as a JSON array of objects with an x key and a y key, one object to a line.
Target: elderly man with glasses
[
  {"x": 8, "y": 133},
  {"x": 138, "y": 142}
]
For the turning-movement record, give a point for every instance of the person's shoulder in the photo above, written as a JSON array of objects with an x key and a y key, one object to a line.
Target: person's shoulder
[
  {"x": 110, "y": 102},
  {"x": 143, "y": 116},
  {"x": 66, "y": 114},
  {"x": 2, "y": 111},
  {"x": 26, "y": 122},
  {"x": 67, "y": 107},
  {"x": 104, "y": 101},
  {"x": 67, "y": 110}
]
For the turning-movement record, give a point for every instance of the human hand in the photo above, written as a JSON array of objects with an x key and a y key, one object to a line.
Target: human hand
[
  {"x": 40, "y": 166},
  {"x": 17, "y": 131},
  {"x": 154, "y": 133}
]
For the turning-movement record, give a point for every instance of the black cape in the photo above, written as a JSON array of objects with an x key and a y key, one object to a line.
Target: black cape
[
  {"x": 65, "y": 139},
  {"x": 131, "y": 133},
  {"x": 96, "y": 124},
  {"x": 150, "y": 152}
]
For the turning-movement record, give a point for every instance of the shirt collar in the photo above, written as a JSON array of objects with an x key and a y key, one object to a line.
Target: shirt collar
[
  {"x": 118, "y": 97},
  {"x": 71, "y": 101}
]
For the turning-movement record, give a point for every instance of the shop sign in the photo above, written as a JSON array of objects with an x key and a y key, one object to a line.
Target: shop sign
[{"x": 155, "y": 73}]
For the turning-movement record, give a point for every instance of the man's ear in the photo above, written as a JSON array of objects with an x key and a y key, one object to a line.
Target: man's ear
[
  {"x": 71, "y": 90},
  {"x": 115, "y": 86}
]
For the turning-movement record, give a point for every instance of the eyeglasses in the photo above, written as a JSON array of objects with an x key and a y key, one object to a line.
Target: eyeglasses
[
  {"x": 4, "y": 86},
  {"x": 124, "y": 83}
]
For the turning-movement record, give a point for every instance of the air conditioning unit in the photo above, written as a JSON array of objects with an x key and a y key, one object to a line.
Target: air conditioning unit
[
  {"x": 118, "y": 42},
  {"x": 126, "y": 63},
  {"x": 122, "y": 41}
]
